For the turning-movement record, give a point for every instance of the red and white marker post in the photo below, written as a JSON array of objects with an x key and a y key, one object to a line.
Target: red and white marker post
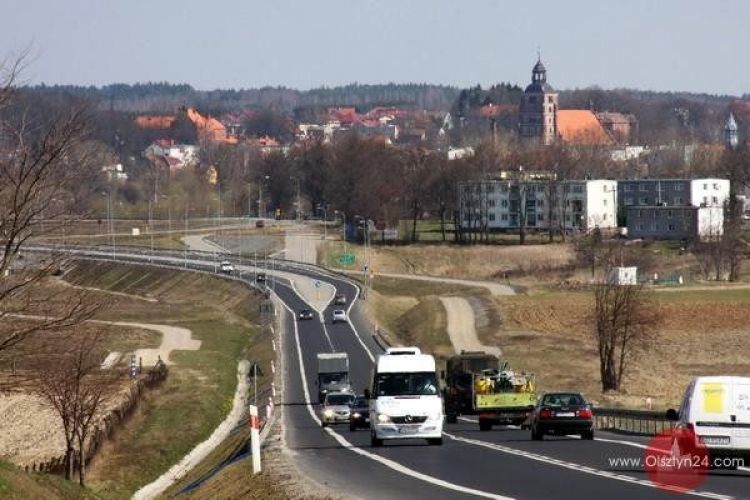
[{"x": 255, "y": 438}]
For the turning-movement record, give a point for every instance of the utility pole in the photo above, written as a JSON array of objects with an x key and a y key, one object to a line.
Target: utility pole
[
  {"x": 299, "y": 204},
  {"x": 186, "y": 230},
  {"x": 151, "y": 231}
]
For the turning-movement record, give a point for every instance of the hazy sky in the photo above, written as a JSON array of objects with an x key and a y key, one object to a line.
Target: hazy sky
[{"x": 658, "y": 44}]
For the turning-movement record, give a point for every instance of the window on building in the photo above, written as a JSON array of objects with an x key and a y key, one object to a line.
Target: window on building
[
  {"x": 714, "y": 200},
  {"x": 705, "y": 186},
  {"x": 627, "y": 187},
  {"x": 716, "y": 186},
  {"x": 654, "y": 214},
  {"x": 540, "y": 217},
  {"x": 605, "y": 217},
  {"x": 491, "y": 187},
  {"x": 504, "y": 203},
  {"x": 640, "y": 213},
  {"x": 642, "y": 187},
  {"x": 503, "y": 216},
  {"x": 578, "y": 189},
  {"x": 678, "y": 186},
  {"x": 672, "y": 227},
  {"x": 679, "y": 200},
  {"x": 549, "y": 98},
  {"x": 492, "y": 217},
  {"x": 705, "y": 200},
  {"x": 503, "y": 188},
  {"x": 669, "y": 214},
  {"x": 628, "y": 200},
  {"x": 639, "y": 227},
  {"x": 539, "y": 203},
  {"x": 654, "y": 227},
  {"x": 604, "y": 202},
  {"x": 643, "y": 201},
  {"x": 491, "y": 203}
]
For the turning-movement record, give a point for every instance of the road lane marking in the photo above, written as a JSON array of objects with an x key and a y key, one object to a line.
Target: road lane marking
[
  {"x": 581, "y": 468},
  {"x": 402, "y": 469}
]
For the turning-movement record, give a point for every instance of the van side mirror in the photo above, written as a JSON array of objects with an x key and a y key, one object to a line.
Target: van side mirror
[
  {"x": 672, "y": 415},
  {"x": 367, "y": 393}
]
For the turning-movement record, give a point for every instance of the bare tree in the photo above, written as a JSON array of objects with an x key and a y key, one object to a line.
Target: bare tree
[
  {"x": 625, "y": 320},
  {"x": 77, "y": 389},
  {"x": 41, "y": 163}
]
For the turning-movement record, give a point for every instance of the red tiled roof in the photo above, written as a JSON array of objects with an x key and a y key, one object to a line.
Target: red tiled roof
[{"x": 581, "y": 126}]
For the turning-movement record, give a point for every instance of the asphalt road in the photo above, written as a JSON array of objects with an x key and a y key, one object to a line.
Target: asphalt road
[{"x": 503, "y": 463}]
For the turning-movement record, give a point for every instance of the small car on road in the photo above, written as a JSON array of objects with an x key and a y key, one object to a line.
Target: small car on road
[
  {"x": 339, "y": 315},
  {"x": 226, "y": 267},
  {"x": 562, "y": 413},
  {"x": 339, "y": 300},
  {"x": 261, "y": 278},
  {"x": 336, "y": 408},
  {"x": 360, "y": 414},
  {"x": 306, "y": 314}
]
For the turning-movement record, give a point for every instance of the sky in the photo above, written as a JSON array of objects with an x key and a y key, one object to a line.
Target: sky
[{"x": 684, "y": 45}]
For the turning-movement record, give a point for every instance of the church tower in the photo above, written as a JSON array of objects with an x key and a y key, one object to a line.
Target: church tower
[
  {"x": 538, "y": 112},
  {"x": 731, "y": 139}
]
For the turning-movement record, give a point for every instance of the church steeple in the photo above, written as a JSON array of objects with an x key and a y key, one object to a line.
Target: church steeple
[
  {"x": 539, "y": 72},
  {"x": 731, "y": 139},
  {"x": 538, "y": 110}
]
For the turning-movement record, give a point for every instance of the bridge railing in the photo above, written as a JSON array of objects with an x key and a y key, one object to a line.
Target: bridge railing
[{"x": 643, "y": 422}]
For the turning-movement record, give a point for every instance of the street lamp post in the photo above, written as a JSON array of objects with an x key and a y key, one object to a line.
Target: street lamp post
[{"x": 260, "y": 195}]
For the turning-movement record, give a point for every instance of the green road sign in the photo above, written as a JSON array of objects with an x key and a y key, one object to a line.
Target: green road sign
[{"x": 346, "y": 259}]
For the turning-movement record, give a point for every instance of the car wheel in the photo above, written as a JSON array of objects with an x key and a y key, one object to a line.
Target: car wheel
[
  {"x": 587, "y": 435},
  {"x": 435, "y": 442},
  {"x": 375, "y": 442},
  {"x": 485, "y": 426},
  {"x": 536, "y": 435},
  {"x": 323, "y": 424}
]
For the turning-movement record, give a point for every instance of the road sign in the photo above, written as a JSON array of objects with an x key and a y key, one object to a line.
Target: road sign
[{"x": 346, "y": 259}]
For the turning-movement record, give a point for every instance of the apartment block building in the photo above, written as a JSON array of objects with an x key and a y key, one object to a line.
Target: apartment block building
[
  {"x": 673, "y": 208},
  {"x": 503, "y": 204}
]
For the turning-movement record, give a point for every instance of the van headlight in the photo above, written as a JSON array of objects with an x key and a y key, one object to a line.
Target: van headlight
[
  {"x": 383, "y": 418},
  {"x": 437, "y": 416},
  {"x": 328, "y": 413}
]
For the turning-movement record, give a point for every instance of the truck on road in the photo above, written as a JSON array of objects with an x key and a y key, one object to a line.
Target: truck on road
[
  {"x": 333, "y": 373},
  {"x": 477, "y": 383}
]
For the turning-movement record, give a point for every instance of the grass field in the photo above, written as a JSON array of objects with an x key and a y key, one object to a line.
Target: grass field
[
  {"x": 702, "y": 334},
  {"x": 199, "y": 390},
  {"x": 16, "y": 484}
]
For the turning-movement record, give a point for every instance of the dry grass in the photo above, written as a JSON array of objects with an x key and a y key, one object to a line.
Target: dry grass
[{"x": 702, "y": 333}]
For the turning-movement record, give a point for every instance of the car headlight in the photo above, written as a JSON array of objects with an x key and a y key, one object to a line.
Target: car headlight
[
  {"x": 356, "y": 414},
  {"x": 383, "y": 418},
  {"x": 328, "y": 413}
]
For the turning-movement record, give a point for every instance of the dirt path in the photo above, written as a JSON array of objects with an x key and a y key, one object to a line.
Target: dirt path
[
  {"x": 461, "y": 326},
  {"x": 301, "y": 246},
  {"x": 200, "y": 243},
  {"x": 174, "y": 338}
]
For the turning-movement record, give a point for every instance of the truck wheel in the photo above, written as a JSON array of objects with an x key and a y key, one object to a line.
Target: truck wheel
[
  {"x": 451, "y": 418},
  {"x": 484, "y": 425},
  {"x": 435, "y": 442},
  {"x": 375, "y": 442}
]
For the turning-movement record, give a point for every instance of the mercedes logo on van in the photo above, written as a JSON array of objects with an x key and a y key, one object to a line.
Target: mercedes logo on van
[{"x": 408, "y": 419}]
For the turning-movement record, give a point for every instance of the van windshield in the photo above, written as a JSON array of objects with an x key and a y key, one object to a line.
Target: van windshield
[{"x": 406, "y": 384}]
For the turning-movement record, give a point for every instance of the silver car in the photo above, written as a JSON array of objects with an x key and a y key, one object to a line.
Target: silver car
[
  {"x": 336, "y": 408},
  {"x": 338, "y": 315}
]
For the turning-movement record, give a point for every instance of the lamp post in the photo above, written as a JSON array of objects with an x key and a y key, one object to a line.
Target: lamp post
[
  {"x": 260, "y": 195},
  {"x": 343, "y": 222}
]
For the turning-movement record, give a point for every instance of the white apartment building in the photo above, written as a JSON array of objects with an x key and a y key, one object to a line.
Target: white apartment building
[{"x": 538, "y": 204}]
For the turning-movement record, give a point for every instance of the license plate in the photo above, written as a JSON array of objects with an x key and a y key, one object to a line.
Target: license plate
[
  {"x": 406, "y": 430},
  {"x": 565, "y": 414},
  {"x": 720, "y": 440}
]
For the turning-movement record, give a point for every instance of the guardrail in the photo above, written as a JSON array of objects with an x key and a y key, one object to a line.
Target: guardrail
[{"x": 643, "y": 422}]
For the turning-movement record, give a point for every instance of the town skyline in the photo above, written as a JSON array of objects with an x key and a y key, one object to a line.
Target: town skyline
[{"x": 377, "y": 42}]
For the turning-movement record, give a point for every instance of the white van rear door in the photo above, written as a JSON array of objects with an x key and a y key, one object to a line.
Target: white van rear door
[
  {"x": 741, "y": 414},
  {"x": 712, "y": 405}
]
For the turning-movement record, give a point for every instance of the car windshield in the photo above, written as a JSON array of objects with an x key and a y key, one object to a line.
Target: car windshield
[
  {"x": 562, "y": 400},
  {"x": 338, "y": 312},
  {"x": 339, "y": 399},
  {"x": 406, "y": 384},
  {"x": 361, "y": 403},
  {"x": 332, "y": 378}
]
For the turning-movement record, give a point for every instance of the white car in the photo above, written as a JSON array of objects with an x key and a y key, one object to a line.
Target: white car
[
  {"x": 338, "y": 315},
  {"x": 714, "y": 415},
  {"x": 337, "y": 408},
  {"x": 227, "y": 267}
]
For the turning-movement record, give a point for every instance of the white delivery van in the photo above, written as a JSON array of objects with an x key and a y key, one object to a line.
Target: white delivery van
[
  {"x": 405, "y": 400},
  {"x": 715, "y": 413}
]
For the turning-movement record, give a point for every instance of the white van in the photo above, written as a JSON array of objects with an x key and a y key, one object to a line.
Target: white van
[
  {"x": 405, "y": 400},
  {"x": 715, "y": 412}
]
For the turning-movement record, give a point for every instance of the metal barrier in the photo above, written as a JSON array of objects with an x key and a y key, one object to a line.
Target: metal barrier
[{"x": 642, "y": 422}]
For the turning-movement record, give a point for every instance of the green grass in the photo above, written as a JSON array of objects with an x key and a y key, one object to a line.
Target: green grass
[
  {"x": 199, "y": 390},
  {"x": 18, "y": 484}
]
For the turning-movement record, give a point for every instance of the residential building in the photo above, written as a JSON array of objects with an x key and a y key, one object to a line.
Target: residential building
[
  {"x": 622, "y": 128},
  {"x": 115, "y": 172},
  {"x": 673, "y": 209},
  {"x": 575, "y": 205},
  {"x": 675, "y": 222}
]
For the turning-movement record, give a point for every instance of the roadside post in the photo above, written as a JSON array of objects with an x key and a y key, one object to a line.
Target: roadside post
[{"x": 255, "y": 438}]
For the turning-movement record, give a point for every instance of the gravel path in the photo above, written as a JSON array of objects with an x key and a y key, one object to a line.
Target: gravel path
[
  {"x": 174, "y": 338},
  {"x": 461, "y": 327},
  {"x": 494, "y": 288}
]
